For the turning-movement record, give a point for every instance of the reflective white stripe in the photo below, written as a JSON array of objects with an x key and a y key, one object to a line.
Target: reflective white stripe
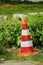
[
  {"x": 26, "y": 43},
  {"x": 25, "y": 32}
]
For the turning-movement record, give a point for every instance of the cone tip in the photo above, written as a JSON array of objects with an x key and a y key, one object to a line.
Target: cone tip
[{"x": 24, "y": 21}]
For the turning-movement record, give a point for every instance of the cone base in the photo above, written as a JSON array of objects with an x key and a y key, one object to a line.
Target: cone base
[{"x": 28, "y": 54}]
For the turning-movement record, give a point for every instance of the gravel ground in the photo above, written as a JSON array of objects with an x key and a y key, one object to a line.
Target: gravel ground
[{"x": 20, "y": 63}]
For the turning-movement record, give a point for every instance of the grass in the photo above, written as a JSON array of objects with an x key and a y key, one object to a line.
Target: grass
[
  {"x": 12, "y": 54},
  {"x": 20, "y": 8}
]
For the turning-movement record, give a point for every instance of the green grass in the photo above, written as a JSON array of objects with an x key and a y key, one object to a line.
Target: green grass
[
  {"x": 13, "y": 55},
  {"x": 20, "y": 8},
  {"x": 38, "y": 58}
]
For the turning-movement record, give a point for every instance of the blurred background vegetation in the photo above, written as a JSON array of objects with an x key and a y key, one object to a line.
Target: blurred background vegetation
[{"x": 10, "y": 30}]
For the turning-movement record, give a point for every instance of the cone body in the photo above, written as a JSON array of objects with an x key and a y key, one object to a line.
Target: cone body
[{"x": 26, "y": 41}]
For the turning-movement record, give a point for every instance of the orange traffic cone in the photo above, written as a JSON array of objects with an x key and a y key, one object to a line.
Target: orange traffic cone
[{"x": 26, "y": 41}]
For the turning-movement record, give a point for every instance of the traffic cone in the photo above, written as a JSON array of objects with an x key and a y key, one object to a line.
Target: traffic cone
[{"x": 27, "y": 48}]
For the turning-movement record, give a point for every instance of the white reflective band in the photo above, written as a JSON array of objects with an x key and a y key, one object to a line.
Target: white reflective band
[
  {"x": 26, "y": 43},
  {"x": 25, "y": 32}
]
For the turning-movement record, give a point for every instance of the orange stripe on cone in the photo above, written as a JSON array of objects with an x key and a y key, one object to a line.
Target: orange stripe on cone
[{"x": 24, "y": 21}]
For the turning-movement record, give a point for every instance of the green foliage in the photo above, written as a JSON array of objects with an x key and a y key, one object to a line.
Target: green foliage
[
  {"x": 20, "y": 8},
  {"x": 36, "y": 29},
  {"x": 10, "y": 32}
]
